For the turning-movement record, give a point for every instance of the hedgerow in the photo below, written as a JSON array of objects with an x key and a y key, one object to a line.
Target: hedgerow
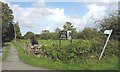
[{"x": 80, "y": 50}]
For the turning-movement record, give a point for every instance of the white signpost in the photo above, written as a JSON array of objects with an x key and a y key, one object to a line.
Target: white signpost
[{"x": 109, "y": 32}]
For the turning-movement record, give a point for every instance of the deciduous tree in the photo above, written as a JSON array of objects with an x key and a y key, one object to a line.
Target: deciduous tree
[{"x": 6, "y": 15}]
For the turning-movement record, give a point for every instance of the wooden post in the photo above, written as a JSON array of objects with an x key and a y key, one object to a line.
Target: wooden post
[
  {"x": 59, "y": 42},
  {"x": 59, "y": 39},
  {"x": 71, "y": 40}
]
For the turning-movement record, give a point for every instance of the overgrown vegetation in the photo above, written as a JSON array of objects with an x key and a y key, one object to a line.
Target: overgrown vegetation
[
  {"x": 78, "y": 56},
  {"x": 80, "y": 50}
]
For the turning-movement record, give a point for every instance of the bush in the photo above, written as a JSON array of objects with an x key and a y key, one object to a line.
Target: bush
[
  {"x": 79, "y": 50},
  {"x": 112, "y": 48},
  {"x": 68, "y": 56}
]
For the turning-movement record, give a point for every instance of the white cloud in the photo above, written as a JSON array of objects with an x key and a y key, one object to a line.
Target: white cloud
[
  {"x": 22, "y": 15},
  {"x": 39, "y": 17},
  {"x": 77, "y": 22},
  {"x": 57, "y": 14},
  {"x": 95, "y": 12}
]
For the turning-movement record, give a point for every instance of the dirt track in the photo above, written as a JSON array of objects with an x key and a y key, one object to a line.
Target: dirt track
[{"x": 12, "y": 62}]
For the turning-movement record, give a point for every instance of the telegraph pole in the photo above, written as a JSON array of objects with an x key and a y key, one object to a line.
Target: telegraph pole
[{"x": 15, "y": 33}]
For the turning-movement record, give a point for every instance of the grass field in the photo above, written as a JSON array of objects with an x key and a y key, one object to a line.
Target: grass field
[{"x": 92, "y": 64}]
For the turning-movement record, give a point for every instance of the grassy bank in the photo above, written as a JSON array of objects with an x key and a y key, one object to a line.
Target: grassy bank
[
  {"x": 91, "y": 64},
  {"x": 6, "y": 52}
]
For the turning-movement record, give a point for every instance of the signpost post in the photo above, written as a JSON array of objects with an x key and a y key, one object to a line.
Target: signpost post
[{"x": 109, "y": 32}]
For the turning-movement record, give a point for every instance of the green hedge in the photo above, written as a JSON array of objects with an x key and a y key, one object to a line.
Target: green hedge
[{"x": 80, "y": 50}]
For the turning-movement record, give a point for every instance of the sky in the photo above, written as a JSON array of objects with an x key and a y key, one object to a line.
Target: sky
[{"x": 36, "y": 16}]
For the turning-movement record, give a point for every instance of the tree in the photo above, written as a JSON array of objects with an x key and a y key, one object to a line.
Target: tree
[
  {"x": 57, "y": 30},
  {"x": 45, "y": 31},
  {"x": 17, "y": 30},
  {"x": 45, "y": 35},
  {"x": 28, "y": 35},
  {"x": 88, "y": 33},
  {"x": 111, "y": 22},
  {"x": 11, "y": 31},
  {"x": 34, "y": 40},
  {"x": 7, "y": 22},
  {"x": 54, "y": 36},
  {"x": 69, "y": 26}
]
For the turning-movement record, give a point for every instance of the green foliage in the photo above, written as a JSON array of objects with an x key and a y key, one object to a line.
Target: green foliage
[
  {"x": 55, "y": 35},
  {"x": 10, "y": 32},
  {"x": 17, "y": 31},
  {"x": 68, "y": 26},
  {"x": 45, "y": 31},
  {"x": 28, "y": 35},
  {"x": 46, "y": 36},
  {"x": 57, "y": 30},
  {"x": 88, "y": 33},
  {"x": 34, "y": 40},
  {"x": 111, "y": 22},
  {"x": 112, "y": 48},
  {"x": 7, "y": 22},
  {"x": 79, "y": 50},
  {"x": 62, "y": 58}
]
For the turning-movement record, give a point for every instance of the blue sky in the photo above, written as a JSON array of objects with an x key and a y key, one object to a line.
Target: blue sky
[
  {"x": 39, "y": 16},
  {"x": 23, "y": 4},
  {"x": 71, "y": 8}
]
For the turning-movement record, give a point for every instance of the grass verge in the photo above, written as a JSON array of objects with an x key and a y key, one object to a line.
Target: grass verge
[
  {"x": 92, "y": 64},
  {"x": 6, "y": 52}
]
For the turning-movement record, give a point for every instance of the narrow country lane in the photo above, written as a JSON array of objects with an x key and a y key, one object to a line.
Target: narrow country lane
[{"x": 12, "y": 62}]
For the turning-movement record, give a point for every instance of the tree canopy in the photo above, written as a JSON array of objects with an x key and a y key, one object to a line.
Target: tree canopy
[
  {"x": 28, "y": 35},
  {"x": 111, "y": 22},
  {"x": 7, "y": 22},
  {"x": 17, "y": 30}
]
